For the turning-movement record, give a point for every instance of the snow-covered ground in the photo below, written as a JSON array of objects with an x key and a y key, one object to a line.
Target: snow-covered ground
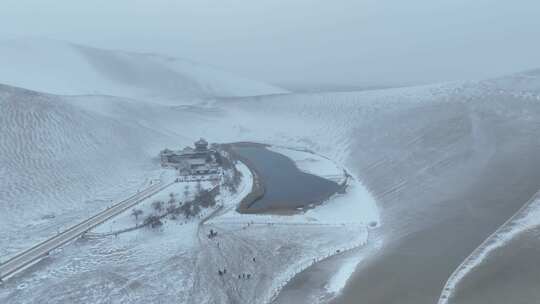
[
  {"x": 61, "y": 163},
  {"x": 62, "y": 158},
  {"x": 267, "y": 248},
  {"x": 337, "y": 225},
  {"x": 126, "y": 219}
]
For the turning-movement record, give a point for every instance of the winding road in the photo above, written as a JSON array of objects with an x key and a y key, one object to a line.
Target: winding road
[{"x": 27, "y": 257}]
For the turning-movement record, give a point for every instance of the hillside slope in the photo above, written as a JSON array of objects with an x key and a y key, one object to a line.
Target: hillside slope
[
  {"x": 448, "y": 165},
  {"x": 61, "y": 160},
  {"x": 507, "y": 255},
  {"x": 64, "y": 68},
  {"x": 433, "y": 156}
]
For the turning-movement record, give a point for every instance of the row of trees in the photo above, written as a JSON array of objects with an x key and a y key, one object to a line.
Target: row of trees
[
  {"x": 190, "y": 208},
  {"x": 175, "y": 208}
]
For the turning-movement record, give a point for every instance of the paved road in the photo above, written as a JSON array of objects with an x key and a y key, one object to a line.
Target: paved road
[{"x": 42, "y": 249}]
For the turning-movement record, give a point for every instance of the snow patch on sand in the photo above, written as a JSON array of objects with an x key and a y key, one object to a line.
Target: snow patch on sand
[
  {"x": 357, "y": 205},
  {"x": 526, "y": 218},
  {"x": 339, "y": 279}
]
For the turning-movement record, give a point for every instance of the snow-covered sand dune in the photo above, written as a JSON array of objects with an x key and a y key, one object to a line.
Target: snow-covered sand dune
[
  {"x": 419, "y": 151},
  {"x": 96, "y": 147},
  {"x": 474, "y": 165},
  {"x": 56, "y": 158},
  {"x": 64, "y": 68},
  {"x": 525, "y": 83},
  {"x": 473, "y": 281},
  {"x": 431, "y": 155},
  {"x": 498, "y": 253}
]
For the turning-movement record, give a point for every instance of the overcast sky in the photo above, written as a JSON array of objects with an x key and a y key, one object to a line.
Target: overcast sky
[{"x": 347, "y": 42}]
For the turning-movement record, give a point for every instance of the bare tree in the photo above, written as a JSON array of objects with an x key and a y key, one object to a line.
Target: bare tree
[
  {"x": 172, "y": 199},
  {"x": 136, "y": 213},
  {"x": 195, "y": 209},
  {"x": 153, "y": 221},
  {"x": 186, "y": 209},
  {"x": 237, "y": 177},
  {"x": 171, "y": 209},
  {"x": 186, "y": 192},
  {"x": 232, "y": 180},
  {"x": 198, "y": 187},
  {"x": 205, "y": 198},
  {"x": 158, "y": 206},
  {"x": 225, "y": 162}
]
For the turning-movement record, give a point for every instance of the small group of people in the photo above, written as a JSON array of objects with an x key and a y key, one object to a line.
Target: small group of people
[
  {"x": 212, "y": 234},
  {"x": 245, "y": 276}
]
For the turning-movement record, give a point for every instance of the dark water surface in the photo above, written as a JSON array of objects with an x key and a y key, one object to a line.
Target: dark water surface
[{"x": 286, "y": 187}]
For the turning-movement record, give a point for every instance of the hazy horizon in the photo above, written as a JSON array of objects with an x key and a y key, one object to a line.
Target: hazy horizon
[{"x": 303, "y": 43}]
